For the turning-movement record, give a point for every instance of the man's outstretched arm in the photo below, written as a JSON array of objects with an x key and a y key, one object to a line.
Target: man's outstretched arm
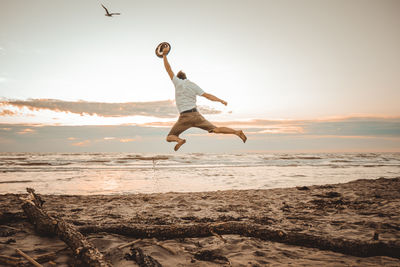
[
  {"x": 214, "y": 98},
  {"x": 166, "y": 64}
]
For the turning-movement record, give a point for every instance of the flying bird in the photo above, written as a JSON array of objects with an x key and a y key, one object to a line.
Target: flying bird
[{"x": 108, "y": 14}]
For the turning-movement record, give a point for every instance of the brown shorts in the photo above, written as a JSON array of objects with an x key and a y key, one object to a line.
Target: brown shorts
[{"x": 188, "y": 120}]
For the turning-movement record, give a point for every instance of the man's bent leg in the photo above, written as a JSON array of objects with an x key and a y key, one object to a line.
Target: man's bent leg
[
  {"x": 226, "y": 130},
  {"x": 174, "y": 138}
]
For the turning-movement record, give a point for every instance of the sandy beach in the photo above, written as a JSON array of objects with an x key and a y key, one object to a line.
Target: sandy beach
[{"x": 359, "y": 212}]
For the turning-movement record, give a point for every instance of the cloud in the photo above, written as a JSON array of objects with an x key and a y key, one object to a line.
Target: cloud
[
  {"x": 127, "y": 140},
  {"x": 256, "y": 126},
  {"x": 3, "y": 79},
  {"x": 348, "y": 134},
  {"x": 83, "y": 143},
  {"x": 160, "y": 109},
  {"x": 345, "y": 126},
  {"x": 96, "y": 141},
  {"x": 26, "y": 131},
  {"x": 7, "y": 112}
]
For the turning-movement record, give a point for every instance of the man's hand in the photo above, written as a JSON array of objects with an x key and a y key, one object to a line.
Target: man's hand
[
  {"x": 165, "y": 51},
  {"x": 224, "y": 102}
]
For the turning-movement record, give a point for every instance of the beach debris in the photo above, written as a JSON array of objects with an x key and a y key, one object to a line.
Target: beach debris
[
  {"x": 156, "y": 242},
  {"x": 8, "y": 241},
  {"x": 36, "y": 199},
  {"x": 259, "y": 227},
  {"x": 376, "y": 236},
  {"x": 333, "y": 194},
  {"x": 211, "y": 255},
  {"x": 129, "y": 244},
  {"x": 10, "y": 261},
  {"x": 259, "y": 253},
  {"x": 357, "y": 248},
  {"x": 330, "y": 194},
  {"x": 170, "y": 251},
  {"x": 377, "y": 231},
  {"x": 47, "y": 225},
  {"x": 6, "y": 231},
  {"x": 143, "y": 260},
  {"x": 35, "y": 263},
  {"x": 14, "y": 261},
  {"x": 285, "y": 207},
  {"x": 108, "y": 14},
  {"x": 8, "y": 217},
  {"x": 217, "y": 235},
  {"x": 303, "y": 188}
]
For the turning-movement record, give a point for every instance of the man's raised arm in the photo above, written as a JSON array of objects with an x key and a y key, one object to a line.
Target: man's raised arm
[
  {"x": 166, "y": 63},
  {"x": 214, "y": 98}
]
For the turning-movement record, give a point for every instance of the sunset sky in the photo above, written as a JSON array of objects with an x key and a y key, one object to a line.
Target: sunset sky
[{"x": 298, "y": 76}]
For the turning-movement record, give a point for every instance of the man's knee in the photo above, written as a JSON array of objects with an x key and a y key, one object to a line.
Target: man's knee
[{"x": 215, "y": 130}]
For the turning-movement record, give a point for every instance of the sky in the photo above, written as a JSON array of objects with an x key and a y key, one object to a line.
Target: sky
[{"x": 298, "y": 76}]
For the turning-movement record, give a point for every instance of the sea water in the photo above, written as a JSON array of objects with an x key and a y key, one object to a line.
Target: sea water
[{"x": 125, "y": 173}]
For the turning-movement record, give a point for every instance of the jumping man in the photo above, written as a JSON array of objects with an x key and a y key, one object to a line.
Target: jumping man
[{"x": 185, "y": 98}]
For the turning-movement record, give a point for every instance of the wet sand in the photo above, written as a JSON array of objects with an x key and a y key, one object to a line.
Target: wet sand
[{"x": 361, "y": 210}]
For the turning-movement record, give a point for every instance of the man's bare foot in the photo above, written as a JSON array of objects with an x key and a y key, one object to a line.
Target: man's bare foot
[
  {"x": 180, "y": 143},
  {"x": 242, "y": 136}
]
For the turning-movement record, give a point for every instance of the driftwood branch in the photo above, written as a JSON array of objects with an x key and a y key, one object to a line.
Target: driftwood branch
[
  {"x": 13, "y": 261},
  {"x": 35, "y": 263},
  {"x": 349, "y": 247},
  {"x": 129, "y": 244},
  {"x": 47, "y": 225}
]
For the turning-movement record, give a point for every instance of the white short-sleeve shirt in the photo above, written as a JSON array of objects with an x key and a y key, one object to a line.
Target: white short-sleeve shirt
[{"x": 185, "y": 93}]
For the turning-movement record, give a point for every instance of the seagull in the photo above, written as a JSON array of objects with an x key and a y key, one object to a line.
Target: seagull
[{"x": 108, "y": 14}]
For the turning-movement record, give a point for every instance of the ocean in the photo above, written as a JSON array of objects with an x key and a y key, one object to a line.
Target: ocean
[{"x": 126, "y": 173}]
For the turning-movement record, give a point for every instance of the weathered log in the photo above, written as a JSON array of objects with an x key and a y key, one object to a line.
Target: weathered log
[
  {"x": 37, "y": 200},
  {"x": 350, "y": 247},
  {"x": 47, "y": 225}
]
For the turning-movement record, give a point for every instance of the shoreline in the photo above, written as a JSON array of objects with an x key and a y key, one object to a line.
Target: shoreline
[{"x": 358, "y": 211}]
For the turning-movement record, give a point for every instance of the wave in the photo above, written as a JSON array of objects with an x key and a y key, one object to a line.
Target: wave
[
  {"x": 35, "y": 164},
  {"x": 308, "y": 157},
  {"x": 98, "y": 161},
  {"x": 13, "y": 158},
  {"x": 298, "y": 157},
  {"x": 370, "y": 155},
  {"x": 287, "y": 158},
  {"x": 16, "y": 182},
  {"x": 138, "y": 157},
  {"x": 377, "y": 165}
]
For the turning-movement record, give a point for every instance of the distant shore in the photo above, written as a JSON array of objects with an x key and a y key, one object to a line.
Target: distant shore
[{"x": 359, "y": 212}]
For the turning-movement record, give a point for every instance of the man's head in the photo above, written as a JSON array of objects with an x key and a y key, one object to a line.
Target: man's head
[{"x": 181, "y": 75}]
